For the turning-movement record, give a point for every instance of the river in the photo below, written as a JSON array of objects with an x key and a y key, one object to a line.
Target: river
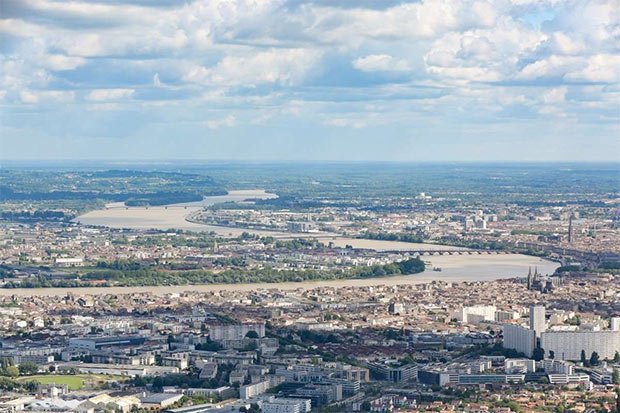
[{"x": 455, "y": 268}]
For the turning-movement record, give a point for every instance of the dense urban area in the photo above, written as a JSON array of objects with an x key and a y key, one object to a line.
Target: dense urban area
[{"x": 311, "y": 287}]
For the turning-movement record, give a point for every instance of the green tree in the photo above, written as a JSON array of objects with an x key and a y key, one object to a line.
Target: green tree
[
  {"x": 252, "y": 334},
  {"x": 584, "y": 360},
  {"x": 28, "y": 368},
  {"x": 594, "y": 359},
  {"x": 616, "y": 376},
  {"x": 12, "y": 371},
  {"x": 538, "y": 354},
  {"x": 617, "y": 357},
  {"x": 551, "y": 354}
]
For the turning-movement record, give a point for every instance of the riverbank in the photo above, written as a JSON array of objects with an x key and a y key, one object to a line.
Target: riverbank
[{"x": 455, "y": 268}]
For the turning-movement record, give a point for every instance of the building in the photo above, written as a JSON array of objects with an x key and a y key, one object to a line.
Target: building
[
  {"x": 512, "y": 366},
  {"x": 476, "y": 313},
  {"x": 568, "y": 345},
  {"x": 286, "y": 405},
  {"x": 96, "y": 343},
  {"x": 556, "y": 367},
  {"x": 134, "y": 360},
  {"x": 537, "y": 319},
  {"x": 615, "y": 324},
  {"x": 69, "y": 262},
  {"x": 396, "y": 308},
  {"x": 220, "y": 393},
  {"x": 520, "y": 339},
  {"x": 490, "y": 378},
  {"x": 159, "y": 400},
  {"x": 255, "y": 389},
  {"x": 235, "y": 331},
  {"x": 320, "y": 394}
]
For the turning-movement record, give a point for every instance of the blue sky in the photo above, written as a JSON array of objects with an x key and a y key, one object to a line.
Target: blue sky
[{"x": 310, "y": 80}]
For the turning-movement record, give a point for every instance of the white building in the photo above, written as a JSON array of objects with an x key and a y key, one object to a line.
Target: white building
[
  {"x": 476, "y": 313},
  {"x": 69, "y": 262},
  {"x": 556, "y": 367},
  {"x": 286, "y": 406},
  {"x": 513, "y": 366},
  {"x": 520, "y": 339},
  {"x": 615, "y": 324},
  {"x": 537, "y": 319},
  {"x": 255, "y": 389},
  {"x": 567, "y": 345}
]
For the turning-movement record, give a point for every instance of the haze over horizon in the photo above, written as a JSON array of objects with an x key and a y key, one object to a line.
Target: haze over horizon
[{"x": 242, "y": 80}]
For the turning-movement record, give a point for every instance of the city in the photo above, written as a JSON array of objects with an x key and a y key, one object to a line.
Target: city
[
  {"x": 439, "y": 302},
  {"x": 309, "y": 206}
]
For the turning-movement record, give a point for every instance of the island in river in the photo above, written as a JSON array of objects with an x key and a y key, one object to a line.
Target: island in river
[{"x": 453, "y": 267}]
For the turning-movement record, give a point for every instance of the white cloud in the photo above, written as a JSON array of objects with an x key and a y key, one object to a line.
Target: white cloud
[
  {"x": 346, "y": 123},
  {"x": 228, "y": 121},
  {"x": 102, "y": 95},
  {"x": 555, "y": 95},
  {"x": 61, "y": 62},
  {"x": 261, "y": 56},
  {"x": 380, "y": 63},
  {"x": 46, "y": 96},
  {"x": 276, "y": 66},
  {"x": 598, "y": 68}
]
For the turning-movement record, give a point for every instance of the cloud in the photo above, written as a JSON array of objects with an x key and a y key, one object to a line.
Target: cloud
[
  {"x": 321, "y": 63},
  {"x": 346, "y": 123},
  {"x": 46, "y": 96},
  {"x": 277, "y": 66},
  {"x": 380, "y": 62},
  {"x": 61, "y": 62},
  {"x": 228, "y": 121},
  {"x": 555, "y": 95},
  {"x": 102, "y": 95}
]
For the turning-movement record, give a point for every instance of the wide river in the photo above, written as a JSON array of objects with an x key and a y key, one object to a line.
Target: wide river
[{"x": 454, "y": 267}]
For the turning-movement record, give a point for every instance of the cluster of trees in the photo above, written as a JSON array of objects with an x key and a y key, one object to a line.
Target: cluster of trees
[
  {"x": 38, "y": 215},
  {"x": 149, "y": 276},
  {"x": 121, "y": 265},
  {"x": 185, "y": 381},
  {"x": 567, "y": 268},
  {"x": 594, "y": 359},
  {"x": 298, "y": 244},
  {"x": 610, "y": 265},
  {"x": 392, "y": 237},
  {"x": 9, "y": 384}
]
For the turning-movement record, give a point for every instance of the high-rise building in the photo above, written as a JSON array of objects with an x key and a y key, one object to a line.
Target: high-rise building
[
  {"x": 537, "y": 319},
  {"x": 568, "y": 345},
  {"x": 520, "y": 339}
]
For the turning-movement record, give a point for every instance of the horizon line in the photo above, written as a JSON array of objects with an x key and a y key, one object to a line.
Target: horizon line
[{"x": 341, "y": 161}]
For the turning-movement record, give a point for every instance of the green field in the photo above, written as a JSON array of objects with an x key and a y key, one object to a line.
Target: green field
[{"x": 74, "y": 382}]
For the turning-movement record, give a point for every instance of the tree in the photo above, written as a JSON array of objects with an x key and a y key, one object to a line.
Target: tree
[
  {"x": 594, "y": 359},
  {"x": 28, "y": 368},
  {"x": 538, "y": 354},
  {"x": 551, "y": 354},
  {"x": 252, "y": 334},
  {"x": 584, "y": 360},
  {"x": 616, "y": 376},
  {"x": 617, "y": 357},
  {"x": 12, "y": 371}
]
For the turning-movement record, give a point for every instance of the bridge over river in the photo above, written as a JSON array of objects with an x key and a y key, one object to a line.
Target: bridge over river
[{"x": 426, "y": 252}]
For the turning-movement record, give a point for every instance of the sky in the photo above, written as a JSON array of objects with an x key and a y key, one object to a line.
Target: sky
[{"x": 430, "y": 80}]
